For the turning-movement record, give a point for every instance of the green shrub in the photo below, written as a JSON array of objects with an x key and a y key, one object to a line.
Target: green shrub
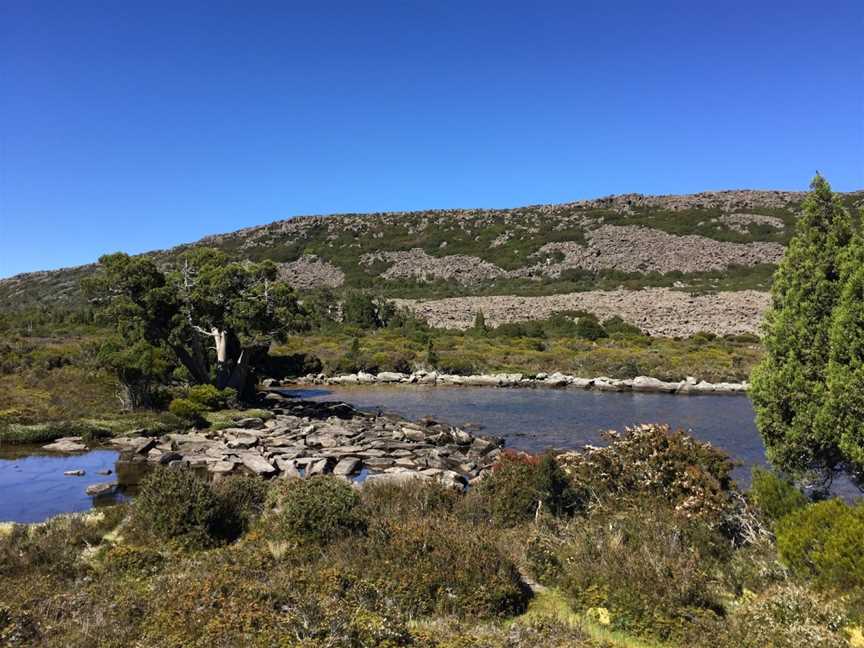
[
  {"x": 588, "y": 328},
  {"x": 786, "y": 616},
  {"x": 774, "y": 495},
  {"x": 653, "y": 461},
  {"x": 645, "y": 567},
  {"x": 519, "y": 486},
  {"x": 175, "y": 504},
  {"x": 823, "y": 542},
  {"x": 126, "y": 559},
  {"x": 615, "y": 326},
  {"x": 317, "y": 510},
  {"x": 241, "y": 502},
  {"x": 434, "y": 565},
  {"x": 188, "y": 411},
  {"x": 211, "y": 399}
]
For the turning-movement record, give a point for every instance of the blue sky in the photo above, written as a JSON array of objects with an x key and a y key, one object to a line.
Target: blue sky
[{"x": 134, "y": 126}]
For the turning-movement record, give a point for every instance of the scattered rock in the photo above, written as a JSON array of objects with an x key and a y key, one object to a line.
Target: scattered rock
[
  {"x": 101, "y": 490},
  {"x": 66, "y": 444}
]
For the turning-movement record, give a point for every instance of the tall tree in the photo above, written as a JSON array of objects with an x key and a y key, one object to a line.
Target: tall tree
[
  {"x": 841, "y": 416},
  {"x": 789, "y": 385},
  {"x": 216, "y": 316}
]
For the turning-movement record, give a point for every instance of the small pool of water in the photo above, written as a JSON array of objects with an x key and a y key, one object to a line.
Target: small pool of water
[{"x": 34, "y": 488}]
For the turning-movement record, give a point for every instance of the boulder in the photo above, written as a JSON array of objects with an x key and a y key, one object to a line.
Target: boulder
[
  {"x": 66, "y": 444},
  {"x": 257, "y": 464},
  {"x": 347, "y": 466},
  {"x": 319, "y": 467},
  {"x": 390, "y": 376},
  {"x": 101, "y": 490}
]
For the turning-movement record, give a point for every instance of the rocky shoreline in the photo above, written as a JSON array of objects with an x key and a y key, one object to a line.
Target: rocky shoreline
[
  {"x": 305, "y": 438},
  {"x": 646, "y": 384}
]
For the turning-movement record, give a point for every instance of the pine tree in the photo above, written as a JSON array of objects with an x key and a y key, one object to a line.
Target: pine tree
[
  {"x": 480, "y": 327},
  {"x": 789, "y": 385},
  {"x": 841, "y": 418}
]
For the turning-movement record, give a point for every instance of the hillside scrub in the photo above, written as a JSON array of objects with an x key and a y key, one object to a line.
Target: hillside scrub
[{"x": 414, "y": 565}]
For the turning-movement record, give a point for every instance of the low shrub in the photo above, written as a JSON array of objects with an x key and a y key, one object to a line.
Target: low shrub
[
  {"x": 241, "y": 502},
  {"x": 785, "y": 616},
  {"x": 774, "y": 495},
  {"x": 419, "y": 499},
  {"x": 176, "y": 505},
  {"x": 434, "y": 565},
  {"x": 823, "y": 542},
  {"x": 646, "y": 568},
  {"x": 317, "y": 510},
  {"x": 615, "y": 326},
  {"x": 211, "y": 399},
  {"x": 520, "y": 486},
  {"x": 588, "y": 328},
  {"x": 188, "y": 411},
  {"x": 130, "y": 560},
  {"x": 654, "y": 462}
]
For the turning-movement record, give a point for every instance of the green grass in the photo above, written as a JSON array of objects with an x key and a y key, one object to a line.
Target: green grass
[
  {"x": 550, "y": 604},
  {"x": 668, "y": 359}
]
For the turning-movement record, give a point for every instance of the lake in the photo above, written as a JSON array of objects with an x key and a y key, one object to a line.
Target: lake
[{"x": 34, "y": 488}]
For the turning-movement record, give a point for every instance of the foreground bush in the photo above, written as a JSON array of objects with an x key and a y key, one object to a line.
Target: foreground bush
[
  {"x": 787, "y": 616},
  {"x": 520, "y": 486},
  {"x": 654, "y": 575},
  {"x": 823, "y": 542},
  {"x": 317, "y": 510},
  {"x": 651, "y": 461},
  {"x": 774, "y": 495},
  {"x": 175, "y": 504},
  {"x": 434, "y": 565}
]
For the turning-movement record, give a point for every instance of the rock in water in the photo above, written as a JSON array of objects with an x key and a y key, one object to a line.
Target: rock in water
[
  {"x": 96, "y": 490},
  {"x": 346, "y": 466},
  {"x": 74, "y": 473}
]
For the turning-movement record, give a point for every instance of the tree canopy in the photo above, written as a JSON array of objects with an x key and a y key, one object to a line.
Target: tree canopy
[
  {"x": 213, "y": 316},
  {"x": 806, "y": 327}
]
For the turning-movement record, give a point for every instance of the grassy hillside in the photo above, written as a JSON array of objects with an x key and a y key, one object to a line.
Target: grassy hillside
[{"x": 539, "y": 249}]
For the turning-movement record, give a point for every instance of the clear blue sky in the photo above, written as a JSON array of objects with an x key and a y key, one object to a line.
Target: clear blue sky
[{"x": 139, "y": 125}]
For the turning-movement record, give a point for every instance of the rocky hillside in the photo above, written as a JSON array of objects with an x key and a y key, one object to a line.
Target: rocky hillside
[{"x": 700, "y": 243}]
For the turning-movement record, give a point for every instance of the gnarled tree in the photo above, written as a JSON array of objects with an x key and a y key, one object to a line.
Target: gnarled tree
[{"x": 216, "y": 317}]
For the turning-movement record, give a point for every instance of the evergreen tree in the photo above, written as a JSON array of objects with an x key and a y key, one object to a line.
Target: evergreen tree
[
  {"x": 841, "y": 418},
  {"x": 480, "y": 327},
  {"x": 789, "y": 385}
]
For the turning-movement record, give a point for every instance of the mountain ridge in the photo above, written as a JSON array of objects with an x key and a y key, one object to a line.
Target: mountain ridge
[{"x": 702, "y": 239}]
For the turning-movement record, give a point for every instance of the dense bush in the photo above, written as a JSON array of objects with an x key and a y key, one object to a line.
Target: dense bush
[
  {"x": 787, "y": 616},
  {"x": 241, "y": 503},
  {"x": 653, "y": 461},
  {"x": 175, "y": 504},
  {"x": 435, "y": 565},
  {"x": 823, "y": 542},
  {"x": 317, "y": 510},
  {"x": 520, "y": 486},
  {"x": 589, "y": 328},
  {"x": 653, "y": 574},
  {"x": 774, "y": 495},
  {"x": 209, "y": 398},
  {"x": 188, "y": 411}
]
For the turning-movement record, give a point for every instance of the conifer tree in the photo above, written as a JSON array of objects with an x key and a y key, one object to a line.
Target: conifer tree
[
  {"x": 789, "y": 385},
  {"x": 841, "y": 418}
]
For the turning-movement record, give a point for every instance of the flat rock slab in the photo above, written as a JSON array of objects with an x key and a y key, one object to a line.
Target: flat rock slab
[
  {"x": 347, "y": 466},
  {"x": 66, "y": 444},
  {"x": 257, "y": 464},
  {"x": 97, "y": 490}
]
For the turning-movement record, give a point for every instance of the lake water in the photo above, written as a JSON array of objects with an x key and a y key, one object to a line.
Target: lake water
[
  {"x": 539, "y": 419},
  {"x": 33, "y": 487}
]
